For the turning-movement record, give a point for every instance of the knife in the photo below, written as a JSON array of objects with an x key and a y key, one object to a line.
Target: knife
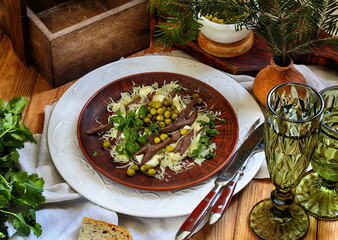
[
  {"x": 223, "y": 178},
  {"x": 225, "y": 197}
]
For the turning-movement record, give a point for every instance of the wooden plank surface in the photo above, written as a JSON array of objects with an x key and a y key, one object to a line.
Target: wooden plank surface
[
  {"x": 13, "y": 20},
  {"x": 17, "y": 79}
]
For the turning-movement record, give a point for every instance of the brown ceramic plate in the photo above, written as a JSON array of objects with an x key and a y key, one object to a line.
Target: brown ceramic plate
[{"x": 95, "y": 109}]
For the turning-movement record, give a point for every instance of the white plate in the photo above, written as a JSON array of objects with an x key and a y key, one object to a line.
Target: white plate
[{"x": 81, "y": 176}]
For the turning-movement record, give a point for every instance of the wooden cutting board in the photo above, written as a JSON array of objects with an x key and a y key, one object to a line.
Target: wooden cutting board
[{"x": 259, "y": 57}]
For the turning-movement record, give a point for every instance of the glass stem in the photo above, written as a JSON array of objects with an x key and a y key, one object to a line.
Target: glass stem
[{"x": 282, "y": 201}]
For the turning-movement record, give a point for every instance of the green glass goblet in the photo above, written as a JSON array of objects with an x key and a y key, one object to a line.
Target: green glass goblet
[
  {"x": 292, "y": 123},
  {"x": 318, "y": 192}
]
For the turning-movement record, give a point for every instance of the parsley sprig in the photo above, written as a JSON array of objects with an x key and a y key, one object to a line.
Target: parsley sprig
[
  {"x": 209, "y": 131},
  {"x": 20, "y": 192},
  {"x": 131, "y": 127}
]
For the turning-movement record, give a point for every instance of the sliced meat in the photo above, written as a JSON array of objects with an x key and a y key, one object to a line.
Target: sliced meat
[
  {"x": 172, "y": 93},
  {"x": 143, "y": 149},
  {"x": 185, "y": 112},
  {"x": 118, "y": 134},
  {"x": 179, "y": 123},
  {"x": 147, "y": 145},
  {"x": 99, "y": 129},
  {"x": 155, "y": 148},
  {"x": 136, "y": 100},
  {"x": 184, "y": 142},
  {"x": 150, "y": 96}
]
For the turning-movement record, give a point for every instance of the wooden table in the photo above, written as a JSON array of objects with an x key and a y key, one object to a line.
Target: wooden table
[{"x": 16, "y": 79}]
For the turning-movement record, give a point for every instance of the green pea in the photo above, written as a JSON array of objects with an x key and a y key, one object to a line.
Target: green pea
[
  {"x": 160, "y": 111},
  {"x": 169, "y": 148},
  {"x": 151, "y": 171},
  {"x": 167, "y": 114},
  {"x": 153, "y": 111},
  {"x": 163, "y": 136},
  {"x": 183, "y": 131},
  {"x": 106, "y": 144},
  {"x": 130, "y": 172},
  {"x": 160, "y": 118},
  {"x": 199, "y": 101},
  {"x": 174, "y": 116},
  {"x": 167, "y": 121},
  {"x": 135, "y": 167},
  {"x": 195, "y": 95},
  {"x": 161, "y": 124},
  {"x": 143, "y": 168},
  {"x": 157, "y": 104},
  {"x": 165, "y": 102},
  {"x": 146, "y": 120}
]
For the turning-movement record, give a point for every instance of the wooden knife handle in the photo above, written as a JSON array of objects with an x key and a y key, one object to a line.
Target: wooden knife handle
[
  {"x": 199, "y": 212},
  {"x": 224, "y": 199}
]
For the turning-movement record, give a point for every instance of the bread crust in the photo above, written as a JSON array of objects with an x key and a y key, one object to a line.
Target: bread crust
[{"x": 92, "y": 229}]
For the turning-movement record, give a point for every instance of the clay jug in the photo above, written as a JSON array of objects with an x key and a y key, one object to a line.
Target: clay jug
[{"x": 273, "y": 75}]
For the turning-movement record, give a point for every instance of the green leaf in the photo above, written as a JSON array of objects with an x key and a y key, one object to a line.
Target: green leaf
[
  {"x": 9, "y": 120},
  {"x": 138, "y": 122},
  {"x": 16, "y": 105},
  {"x": 143, "y": 111},
  {"x": 131, "y": 114},
  {"x": 5, "y": 195},
  {"x": 17, "y": 187},
  {"x": 27, "y": 189},
  {"x": 25, "y": 221},
  {"x": 142, "y": 139}
]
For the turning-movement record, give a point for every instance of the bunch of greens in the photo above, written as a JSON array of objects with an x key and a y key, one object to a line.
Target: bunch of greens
[
  {"x": 131, "y": 126},
  {"x": 20, "y": 192}
]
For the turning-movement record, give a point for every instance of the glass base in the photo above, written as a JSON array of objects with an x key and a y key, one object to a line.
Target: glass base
[
  {"x": 317, "y": 199},
  {"x": 269, "y": 229}
]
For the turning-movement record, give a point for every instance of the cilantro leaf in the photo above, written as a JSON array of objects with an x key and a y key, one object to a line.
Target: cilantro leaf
[{"x": 19, "y": 191}]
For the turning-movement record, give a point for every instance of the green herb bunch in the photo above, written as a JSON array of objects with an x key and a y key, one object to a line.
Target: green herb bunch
[
  {"x": 20, "y": 192},
  {"x": 131, "y": 125},
  {"x": 289, "y": 27}
]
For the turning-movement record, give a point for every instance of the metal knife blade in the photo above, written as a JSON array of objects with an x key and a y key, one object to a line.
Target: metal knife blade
[
  {"x": 223, "y": 178},
  {"x": 225, "y": 197},
  {"x": 241, "y": 155}
]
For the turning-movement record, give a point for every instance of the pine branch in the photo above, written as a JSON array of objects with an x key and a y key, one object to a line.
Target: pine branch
[{"x": 289, "y": 26}]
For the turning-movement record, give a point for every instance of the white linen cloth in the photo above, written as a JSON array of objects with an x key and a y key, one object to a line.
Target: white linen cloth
[{"x": 62, "y": 213}]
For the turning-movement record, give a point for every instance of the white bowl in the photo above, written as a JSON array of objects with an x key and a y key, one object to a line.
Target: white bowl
[{"x": 222, "y": 33}]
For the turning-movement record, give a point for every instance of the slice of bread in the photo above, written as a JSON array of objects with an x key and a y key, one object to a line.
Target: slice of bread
[{"x": 92, "y": 229}]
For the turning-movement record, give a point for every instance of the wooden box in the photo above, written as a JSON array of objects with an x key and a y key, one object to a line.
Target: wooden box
[{"x": 68, "y": 38}]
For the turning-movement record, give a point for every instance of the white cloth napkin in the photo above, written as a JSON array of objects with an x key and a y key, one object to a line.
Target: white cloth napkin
[{"x": 62, "y": 213}]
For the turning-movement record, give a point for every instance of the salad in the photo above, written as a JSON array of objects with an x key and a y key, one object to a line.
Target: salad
[{"x": 154, "y": 128}]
